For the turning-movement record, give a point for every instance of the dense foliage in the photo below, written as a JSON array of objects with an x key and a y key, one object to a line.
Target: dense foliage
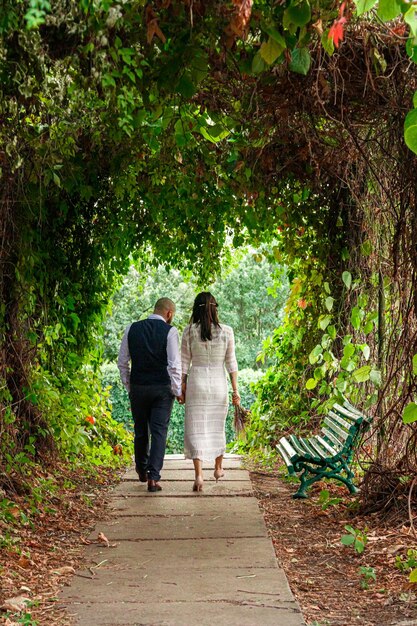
[{"x": 177, "y": 127}]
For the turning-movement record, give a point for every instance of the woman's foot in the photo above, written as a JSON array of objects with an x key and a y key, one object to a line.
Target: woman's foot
[
  {"x": 218, "y": 473},
  {"x": 218, "y": 468},
  {"x": 198, "y": 484}
]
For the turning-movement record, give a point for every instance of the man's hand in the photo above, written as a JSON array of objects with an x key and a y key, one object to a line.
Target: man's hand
[{"x": 180, "y": 399}]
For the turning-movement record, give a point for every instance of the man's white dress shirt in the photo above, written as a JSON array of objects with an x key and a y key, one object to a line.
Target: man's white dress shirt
[{"x": 173, "y": 357}]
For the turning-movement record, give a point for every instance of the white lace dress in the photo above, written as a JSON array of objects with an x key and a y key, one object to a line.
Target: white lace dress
[{"x": 207, "y": 401}]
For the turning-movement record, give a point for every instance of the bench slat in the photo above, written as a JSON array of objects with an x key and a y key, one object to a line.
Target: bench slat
[
  {"x": 362, "y": 420},
  {"x": 297, "y": 445},
  {"x": 310, "y": 449},
  {"x": 347, "y": 405},
  {"x": 287, "y": 459},
  {"x": 345, "y": 411},
  {"x": 289, "y": 449},
  {"x": 341, "y": 434},
  {"x": 330, "y": 449},
  {"x": 341, "y": 422},
  {"x": 328, "y": 434},
  {"x": 322, "y": 452}
]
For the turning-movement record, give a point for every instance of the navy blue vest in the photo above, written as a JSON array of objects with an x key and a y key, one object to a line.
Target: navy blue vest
[{"x": 147, "y": 342}]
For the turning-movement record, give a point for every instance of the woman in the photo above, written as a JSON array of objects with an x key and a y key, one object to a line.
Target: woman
[{"x": 207, "y": 348}]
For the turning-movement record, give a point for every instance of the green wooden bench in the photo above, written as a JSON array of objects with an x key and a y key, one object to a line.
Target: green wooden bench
[{"x": 328, "y": 454}]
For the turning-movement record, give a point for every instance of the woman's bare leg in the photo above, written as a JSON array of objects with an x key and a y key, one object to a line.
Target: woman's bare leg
[
  {"x": 218, "y": 468},
  {"x": 198, "y": 469}
]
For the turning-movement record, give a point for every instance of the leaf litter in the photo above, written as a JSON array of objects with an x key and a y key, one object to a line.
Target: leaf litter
[
  {"x": 42, "y": 547},
  {"x": 327, "y": 577}
]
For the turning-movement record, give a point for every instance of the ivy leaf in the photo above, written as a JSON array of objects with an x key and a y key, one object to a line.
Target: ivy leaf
[
  {"x": 199, "y": 68},
  {"x": 276, "y": 35},
  {"x": 270, "y": 50},
  {"x": 298, "y": 14},
  {"x": 332, "y": 332},
  {"x": 413, "y": 576},
  {"x": 366, "y": 248},
  {"x": 341, "y": 385},
  {"x": 410, "y": 413},
  {"x": 311, "y": 383},
  {"x": 415, "y": 365},
  {"x": 108, "y": 81},
  {"x": 300, "y": 61},
  {"x": 366, "y": 351},
  {"x": 368, "y": 328},
  {"x": 214, "y": 133},
  {"x": 315, "y": 354},
  {"x": 186, "y": 87},
  {"x": 362, "y": 6},
  {"x": 411, "y": 49},
  {"x": 410, "y": 17},
  {"x": 324, "y": 321},
  {"x": 388, "y": 9},
  {"x": 355, "y": 317},
  {"x": 329, "y": 303},
  {"x": 375, "y": 377},
  {"x": 349, "y": 350},
  {"x": 347, "y": 279},
  {"x": 361, "y": 375},
  {"x": 410, "y": 130},
  {"x": 258, "y": 64},
  {"x": 318, "y": 373},
  {"x": 327, "y": 42}
]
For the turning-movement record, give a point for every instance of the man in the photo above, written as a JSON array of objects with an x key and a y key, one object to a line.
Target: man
[{"x": 152, "y": 382}]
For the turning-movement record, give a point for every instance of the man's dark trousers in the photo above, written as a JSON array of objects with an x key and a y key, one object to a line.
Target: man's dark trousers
[{"x": 151, "y": 410}]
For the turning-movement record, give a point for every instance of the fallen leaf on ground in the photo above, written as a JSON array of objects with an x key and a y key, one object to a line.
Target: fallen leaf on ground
[
  {"x": 66, "y": 569},
  {"x": 24, "y": 562},
  {"x": 17, "y": 604},
  {"x": 103, "y": 539}
]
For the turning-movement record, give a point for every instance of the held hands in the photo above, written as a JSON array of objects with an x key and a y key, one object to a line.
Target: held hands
[
  {"x": 181, "y": 398},
  {"x": 235, "y": 398}
]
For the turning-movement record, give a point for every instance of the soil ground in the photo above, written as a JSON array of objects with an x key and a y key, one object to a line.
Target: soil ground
[{"x": 325, "y": 575}]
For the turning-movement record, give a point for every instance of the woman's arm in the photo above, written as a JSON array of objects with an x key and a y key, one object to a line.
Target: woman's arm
[
  {"x": 231, "y": 366},
  {"x": 235, "y": 392}
]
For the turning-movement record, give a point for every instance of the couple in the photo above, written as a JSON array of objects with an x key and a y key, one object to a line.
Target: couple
[{"x": 157, "y": 374}]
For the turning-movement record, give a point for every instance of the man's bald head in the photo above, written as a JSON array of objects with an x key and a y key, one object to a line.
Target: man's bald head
[{"x": 165, "y": 307}]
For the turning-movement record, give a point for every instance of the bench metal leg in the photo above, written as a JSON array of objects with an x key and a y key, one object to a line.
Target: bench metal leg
[
  {"x": 305, "y": 484},
  {"x": 309, "y": 476}
]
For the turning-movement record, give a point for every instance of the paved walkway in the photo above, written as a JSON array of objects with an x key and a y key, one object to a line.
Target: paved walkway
[{"x": 178, "y": 558}]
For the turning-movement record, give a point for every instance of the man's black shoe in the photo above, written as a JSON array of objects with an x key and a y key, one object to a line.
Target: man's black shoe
[
  {"x": 143, "y": 476},
  {"x": 153, "y": 486}
]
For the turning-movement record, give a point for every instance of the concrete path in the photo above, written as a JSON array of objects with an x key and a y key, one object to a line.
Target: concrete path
[{"x": 178, "y": 558}]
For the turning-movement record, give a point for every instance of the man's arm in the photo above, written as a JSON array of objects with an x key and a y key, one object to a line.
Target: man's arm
[
  {"x": 174, "y": 361},
  {"x": 123, "y": 362}
]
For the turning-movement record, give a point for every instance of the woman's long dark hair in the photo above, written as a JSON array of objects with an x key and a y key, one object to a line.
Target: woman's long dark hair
[{"x": 205, "y": 314}]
